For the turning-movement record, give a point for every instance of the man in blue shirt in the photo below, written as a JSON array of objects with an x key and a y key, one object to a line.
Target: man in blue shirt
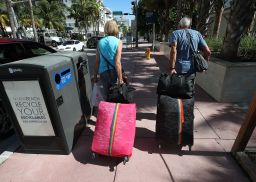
[{"x": 181, "y": 53}]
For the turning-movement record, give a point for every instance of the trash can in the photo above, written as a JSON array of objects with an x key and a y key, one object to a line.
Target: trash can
[
  {"x": 83, "y": 79},
  {"x": 41, "y": 96}
]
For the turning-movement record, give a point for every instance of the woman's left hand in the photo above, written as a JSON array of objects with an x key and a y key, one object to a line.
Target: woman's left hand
[
  {"x": 95, "y": 79},
  {"x": 120, "y": 82}
]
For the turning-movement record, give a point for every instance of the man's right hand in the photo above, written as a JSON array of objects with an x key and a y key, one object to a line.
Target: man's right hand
[{"x": 173, "y": 71}]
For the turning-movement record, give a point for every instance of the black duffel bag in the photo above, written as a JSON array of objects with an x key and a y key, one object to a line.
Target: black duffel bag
[
  {"x": 182, "y": 86},
  {"x": 121, "y": 94}
]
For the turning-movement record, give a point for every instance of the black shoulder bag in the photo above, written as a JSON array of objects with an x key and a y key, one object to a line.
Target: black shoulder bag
[
  {"x": 124, "y": 75},
  {"x": 199, "y": 63},
  {"x": 119, "y": 93}
]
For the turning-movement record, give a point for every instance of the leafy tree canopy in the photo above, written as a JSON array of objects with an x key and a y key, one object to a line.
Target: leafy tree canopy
[{"x": 51, "y": 13}]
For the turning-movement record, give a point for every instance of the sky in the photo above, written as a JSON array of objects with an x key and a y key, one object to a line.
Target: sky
[{"x": 119, "y": 5}]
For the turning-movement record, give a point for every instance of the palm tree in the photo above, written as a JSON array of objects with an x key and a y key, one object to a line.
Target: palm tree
[
  {"x": 24, "y": 18},
  {"x": 240, "y": 19},
  {"x": 205, "y": 9},
  {"x": 95, "y": 8},
  {"x": 85, "y": 12},
  {"x": 51, "y": 13}
]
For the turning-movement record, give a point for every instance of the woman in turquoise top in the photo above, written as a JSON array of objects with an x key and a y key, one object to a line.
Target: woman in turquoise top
[{"x": 108, "y": 58}]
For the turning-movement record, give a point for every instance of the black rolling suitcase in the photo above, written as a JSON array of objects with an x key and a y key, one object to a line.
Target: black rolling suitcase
[{"x": 175, "y": 121}]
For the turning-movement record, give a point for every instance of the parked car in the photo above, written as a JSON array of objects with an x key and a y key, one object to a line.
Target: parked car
[
  {"x": 14, "y": 50},
  {"x": 50, "y": 38},
  {"x": 71, "y": 45},
  {"x": 93, "y": 42}
]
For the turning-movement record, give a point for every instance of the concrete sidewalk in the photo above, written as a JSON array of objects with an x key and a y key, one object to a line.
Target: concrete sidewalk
[{"x": 215, "y": 128}]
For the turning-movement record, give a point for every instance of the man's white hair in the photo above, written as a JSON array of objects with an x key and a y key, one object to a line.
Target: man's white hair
[{"x": 185, "y": 22}]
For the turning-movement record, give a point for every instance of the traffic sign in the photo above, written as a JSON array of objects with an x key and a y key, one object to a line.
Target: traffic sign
[
  {"x": 117, "y": 13},
  {"x": 150, "y": 17}
]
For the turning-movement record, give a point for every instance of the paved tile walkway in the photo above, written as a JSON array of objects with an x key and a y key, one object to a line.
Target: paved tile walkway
[{"x": 216, "y": 127}]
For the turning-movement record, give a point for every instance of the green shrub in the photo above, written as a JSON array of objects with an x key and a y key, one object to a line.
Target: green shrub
[
  {"x": 214, "y": 43},
  {"x": 248, "y": 42},
  {"x": 247, "y": 47}
]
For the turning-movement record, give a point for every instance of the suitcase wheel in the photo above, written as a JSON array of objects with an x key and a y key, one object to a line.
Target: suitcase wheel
[
  {"x": 126, "y": 159},
  {"x": 93, "y": 155}
]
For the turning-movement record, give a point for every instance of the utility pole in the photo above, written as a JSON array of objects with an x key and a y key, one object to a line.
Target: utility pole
[
  {"x": 136, "y": 16},
  {"x": 154, "y": 36},
  {"x": 11, "y": 17}
]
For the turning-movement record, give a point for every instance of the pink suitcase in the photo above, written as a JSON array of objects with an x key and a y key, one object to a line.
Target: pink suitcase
[{"x": 115, "y": 130}]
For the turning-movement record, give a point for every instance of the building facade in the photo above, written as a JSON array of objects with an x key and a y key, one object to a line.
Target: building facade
[{"x": 98, "y": 28}]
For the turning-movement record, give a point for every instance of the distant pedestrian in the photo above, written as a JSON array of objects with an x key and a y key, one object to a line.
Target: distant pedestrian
[
  {"x": 108, "y": 58},
  {"x": 181, "y": 55}
]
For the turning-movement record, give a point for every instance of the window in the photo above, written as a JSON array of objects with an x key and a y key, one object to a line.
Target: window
[
  {"x": 34, "y": 49},
  {"x": 69, "y": 42},
  {"x": 77, "y": 42},
  {"x": 11, "y": 52}
]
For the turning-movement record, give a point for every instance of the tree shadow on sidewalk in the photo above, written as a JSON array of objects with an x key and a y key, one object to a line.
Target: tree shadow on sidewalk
[
  {"x": 151, "y": 145},
  {"x": 83, "y": 154},
  {"x": 148, "y": 116}
]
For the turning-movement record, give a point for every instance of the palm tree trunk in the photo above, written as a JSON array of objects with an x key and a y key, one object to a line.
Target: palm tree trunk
[
  {"x": 204, "y": 15},
  {"x": 3, "y": 30},
  {"x": 240, "y": 19},
  {"x": 33, "y": 21},
  {"x": 251, "y": 27},
  {"x": 11, "y": 18},
  {"x": 218, "y": 16}
]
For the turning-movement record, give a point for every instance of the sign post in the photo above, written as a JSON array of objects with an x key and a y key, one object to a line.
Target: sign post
[{"x": 150, "y": 19}]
